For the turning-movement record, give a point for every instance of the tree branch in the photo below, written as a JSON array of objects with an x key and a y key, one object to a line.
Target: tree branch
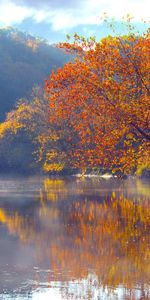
[{"x": 141, "y": 131}]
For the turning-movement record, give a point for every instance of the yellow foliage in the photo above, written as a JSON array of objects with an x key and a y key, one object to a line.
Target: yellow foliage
[
  {"x": 49, "y": 167},
  {"x": 33, "y": 119}
]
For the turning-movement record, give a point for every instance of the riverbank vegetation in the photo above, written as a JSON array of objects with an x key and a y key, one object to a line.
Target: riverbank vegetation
[{"x": 93, "y": 112}]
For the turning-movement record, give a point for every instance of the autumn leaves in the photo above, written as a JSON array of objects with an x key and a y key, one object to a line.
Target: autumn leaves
[
  {"x": 94, "y": 111},
  {"x": 103, "y": 99}
]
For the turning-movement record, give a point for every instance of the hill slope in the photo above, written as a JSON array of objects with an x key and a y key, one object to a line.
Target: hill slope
[{"x": 24, "y": 62}]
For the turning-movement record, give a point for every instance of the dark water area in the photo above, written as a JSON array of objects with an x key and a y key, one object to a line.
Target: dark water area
[{"x": 74, "y": 238}]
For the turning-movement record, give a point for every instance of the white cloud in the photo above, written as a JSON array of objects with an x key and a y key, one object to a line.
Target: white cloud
[
  {"x": 61, "y": 18},
  {"x": 41, "y": 15},
  {"x": 11, "y": 13}
]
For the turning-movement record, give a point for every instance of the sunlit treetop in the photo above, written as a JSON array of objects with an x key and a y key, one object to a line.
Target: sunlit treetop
[{"x": 104, "y": 96}]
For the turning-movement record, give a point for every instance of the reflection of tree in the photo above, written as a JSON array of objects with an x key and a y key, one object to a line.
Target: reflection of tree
[
  {"x": 16, "y": 225},
  {"x": 109, "y": 239},
  {"x": 112, "y": 238},
  {"x": 52, "y": 189}
]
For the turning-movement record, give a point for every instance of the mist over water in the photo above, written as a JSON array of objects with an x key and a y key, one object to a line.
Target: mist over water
[{"x": 74, "y": 238}]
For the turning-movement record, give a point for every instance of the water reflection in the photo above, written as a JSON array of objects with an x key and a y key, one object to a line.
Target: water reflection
[{"x": 75, "y": 239}]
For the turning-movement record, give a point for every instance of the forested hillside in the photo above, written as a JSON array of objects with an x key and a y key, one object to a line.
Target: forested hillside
[{"x": 24, "y": 62}]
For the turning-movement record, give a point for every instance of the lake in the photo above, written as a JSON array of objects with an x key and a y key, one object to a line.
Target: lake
[{"x": 74, "y": 238}]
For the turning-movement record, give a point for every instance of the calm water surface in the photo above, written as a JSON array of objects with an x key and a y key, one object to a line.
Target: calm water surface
[{"x": 73, "y": 238}]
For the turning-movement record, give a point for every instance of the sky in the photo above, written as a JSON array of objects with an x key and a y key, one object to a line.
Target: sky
[{"x": 53, "y": 19}]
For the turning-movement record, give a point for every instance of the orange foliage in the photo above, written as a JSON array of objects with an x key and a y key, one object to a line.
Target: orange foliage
[{"x": 104, "y": 98}]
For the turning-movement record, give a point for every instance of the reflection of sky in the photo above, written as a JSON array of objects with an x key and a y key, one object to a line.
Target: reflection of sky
[{"x": 85, "y": 289}]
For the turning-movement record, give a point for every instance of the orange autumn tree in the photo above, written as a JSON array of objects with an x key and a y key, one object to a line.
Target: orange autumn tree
[{"x": 102, "y": 100}]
